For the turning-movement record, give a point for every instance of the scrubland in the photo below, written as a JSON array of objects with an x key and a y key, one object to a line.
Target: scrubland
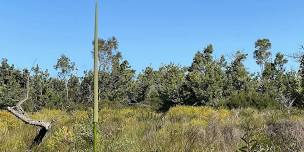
[{"x": 182, "y": 128}]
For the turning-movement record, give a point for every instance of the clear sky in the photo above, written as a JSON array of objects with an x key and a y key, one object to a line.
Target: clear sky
[{"x": 150, "y": 32}]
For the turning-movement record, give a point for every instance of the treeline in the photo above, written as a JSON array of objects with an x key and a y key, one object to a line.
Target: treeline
[{"x": 208, "y": 81}]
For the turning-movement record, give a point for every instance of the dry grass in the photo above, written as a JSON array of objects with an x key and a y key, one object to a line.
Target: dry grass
[{"x": 181, "y": 129}]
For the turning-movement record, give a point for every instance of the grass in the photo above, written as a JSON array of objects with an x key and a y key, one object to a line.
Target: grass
[{"x": 141, "y": 129}]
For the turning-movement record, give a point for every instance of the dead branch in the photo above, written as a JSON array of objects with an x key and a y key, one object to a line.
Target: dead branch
[
  {"x": 20, "y": 114},
  {"x": 27, "y": 120},
  {"x": 27, "y": 93}
]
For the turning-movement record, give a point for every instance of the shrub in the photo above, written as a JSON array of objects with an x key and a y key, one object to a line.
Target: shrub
[{"x": 244, "y": 99}]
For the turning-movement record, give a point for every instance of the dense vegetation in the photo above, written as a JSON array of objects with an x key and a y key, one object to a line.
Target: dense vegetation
[
  {"x": 212, "y": 105},
  {"x": 207, "y": 82},
  {"x": 182, "y": 128}
]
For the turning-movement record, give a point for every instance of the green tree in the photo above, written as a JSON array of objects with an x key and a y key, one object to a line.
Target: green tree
[
  {"x": 300, "y": 97},
  {"x": 273, "y": 77},
  {"x": 13, "y": 84},
  {"x": 204, "y": 80},
  {"x": 301, "y": 73},
  {"x": 86, "y": 88},
  {"x": 106, "y": 50},
  {"x": 66, "y": 68},
  {"x": 74, "y": 91},
  {"x": 38, "y": 88},
  {"x": 289, "y": 95},
  {"x": 169, "y": 81},
  {"x": 145, "y": 81},
  {"x": 279, "y": 63},
  {"x": 122, "y": 77},
  {"x": 147, "y": 92},
  {"x": 237, "y": 73},
  {"x": 262, "y": 52},
  {"x": 55, "y": 92}
]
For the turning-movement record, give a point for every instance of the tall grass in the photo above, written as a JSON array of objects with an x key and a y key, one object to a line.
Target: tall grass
[{"x": 141, "y": 129}]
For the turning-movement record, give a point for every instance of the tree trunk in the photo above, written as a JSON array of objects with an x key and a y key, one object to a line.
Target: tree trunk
[{"x": 20, "y": 114}]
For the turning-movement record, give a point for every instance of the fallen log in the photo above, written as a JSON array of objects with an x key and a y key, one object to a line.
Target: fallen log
[
  {"x": 21, "y": 114},
  {"x": 27, "y": 120}
]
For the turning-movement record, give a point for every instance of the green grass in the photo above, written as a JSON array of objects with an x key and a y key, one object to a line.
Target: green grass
[{"x": 141, "y": 129}]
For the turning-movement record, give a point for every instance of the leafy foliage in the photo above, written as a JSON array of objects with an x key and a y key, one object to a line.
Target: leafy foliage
[{"x": 208, "y": 81}]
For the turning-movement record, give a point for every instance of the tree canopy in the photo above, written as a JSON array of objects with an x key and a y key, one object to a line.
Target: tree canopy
[{"x": 207, "y": 81}]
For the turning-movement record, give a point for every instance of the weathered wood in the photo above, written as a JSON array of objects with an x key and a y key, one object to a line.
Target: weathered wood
[
  {"x": 20, "y": 114},
  {"x": 25, "y": 119},
  {"x": 38, "y": 139},
  {"x": 27, "y": 94}
]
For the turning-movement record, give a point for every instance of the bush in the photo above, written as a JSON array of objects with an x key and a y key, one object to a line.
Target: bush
[{"x": 244, "y": 99}]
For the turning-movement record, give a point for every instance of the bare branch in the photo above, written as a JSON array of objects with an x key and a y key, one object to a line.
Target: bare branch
[
  {"x": 20, "y": 114},
  {"x": 18, "y": 105},
  {"x": 27, "y": 120}
]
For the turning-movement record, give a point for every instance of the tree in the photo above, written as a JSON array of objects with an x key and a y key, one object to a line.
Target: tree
[
  {"x": 237, "y": 76},
  {"x": 106, "y": 50},
  {"x": 169, "y": 81},
  {"x": 297, "y": 87},
  {"x": 301, "y": 73},
  {"x": 300, "y": 97},
  {"x": 55, "y": 92},
  {"x": 18, "y": 111},
  {"x": 39, "y": 88},
  {"x": 147, "y": 92},
  {"x": 86, "y": 88},
  {"x": 15, "y": 84},
  {"x": 204, "y": 80},
  {"x": 273, "y": 78},
  {"x": 262, "y": 52},
  {"x": 74, "y": 91},
  {"x": 66, "y": 68},
  {"x": 121, "y": 79},
  {"x": 145, "y": 81},
  {"x": 12, "y": 82},
  {"x": 289, "y": 96},
  {"x": 279, "y": 63}
]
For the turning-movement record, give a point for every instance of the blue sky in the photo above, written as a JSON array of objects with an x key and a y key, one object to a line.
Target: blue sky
[{"x": 150, "y": 32}]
